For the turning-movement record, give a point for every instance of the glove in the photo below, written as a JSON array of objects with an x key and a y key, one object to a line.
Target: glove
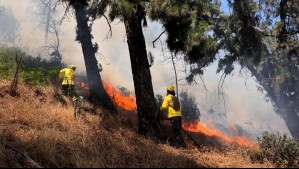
[{"x": 75, "y": 99}]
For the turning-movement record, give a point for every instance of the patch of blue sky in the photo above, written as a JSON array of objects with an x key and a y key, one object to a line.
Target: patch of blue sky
[{"x": 225, "y": 7}]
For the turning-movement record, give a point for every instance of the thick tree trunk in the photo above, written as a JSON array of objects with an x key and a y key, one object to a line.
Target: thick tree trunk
[
  {"x": 146, "y": 106},
  {"x": 96, "y": 88}
]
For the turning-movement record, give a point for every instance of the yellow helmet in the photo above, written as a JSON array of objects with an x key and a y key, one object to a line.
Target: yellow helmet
[
  {"x": 170, "y": 88},
  {"x": 73, "y": 67}
]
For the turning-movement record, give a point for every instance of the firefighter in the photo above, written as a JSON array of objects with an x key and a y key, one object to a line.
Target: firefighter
[
  {"x": 68, "y": 76},
  {"x": 173, "y": 108}
]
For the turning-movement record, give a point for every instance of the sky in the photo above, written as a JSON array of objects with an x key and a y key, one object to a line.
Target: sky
[
  {"x": 243, "y": 105},
  {"x": 224, "y": 6}
]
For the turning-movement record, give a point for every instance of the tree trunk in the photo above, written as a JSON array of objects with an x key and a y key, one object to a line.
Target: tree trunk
[
  {"x": 146, "y": 106},
  {"x": 96, "y": 88}
]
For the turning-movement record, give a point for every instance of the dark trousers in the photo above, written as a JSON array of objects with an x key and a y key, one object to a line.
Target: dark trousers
[
  {"x": 69, "y": 90},
  {"x": 176, "y": 124}
]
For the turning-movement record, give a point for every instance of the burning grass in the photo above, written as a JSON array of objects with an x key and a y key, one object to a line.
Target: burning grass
[{"x": 36, "y": 124}]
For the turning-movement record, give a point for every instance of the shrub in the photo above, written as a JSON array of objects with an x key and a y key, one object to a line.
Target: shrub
[
  {"x": 34, "y": 77},
  {"x": 281, "y": 150},
  {"x": 7, "y": 67},
  {"x": 34, "y": 70},
  {"x": 190, "y": 110},
  {"x": 7, "y": 61},
  {"x": 53, "y": 74}
]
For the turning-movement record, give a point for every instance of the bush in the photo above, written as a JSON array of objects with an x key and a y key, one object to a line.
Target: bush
[
  {"x": 34, "y": 77},
  {"x": 7, "y": 61},
  {"x": 7, "y": 67},
  {"x": 34, "y": 70},
  {"x": 281, "y": 150},
  {"x": 53, "y": 74},
  {"x": 190, "y": 110}
]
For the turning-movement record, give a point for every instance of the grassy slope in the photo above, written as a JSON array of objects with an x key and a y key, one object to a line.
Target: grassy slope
[{"x": 48, "y": 133}]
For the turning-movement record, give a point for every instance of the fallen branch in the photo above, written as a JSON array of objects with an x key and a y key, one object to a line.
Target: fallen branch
[{"x": 30, "y": 160}]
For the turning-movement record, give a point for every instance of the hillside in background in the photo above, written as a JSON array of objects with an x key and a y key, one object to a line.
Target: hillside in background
[{"x": 38, "y": 131}]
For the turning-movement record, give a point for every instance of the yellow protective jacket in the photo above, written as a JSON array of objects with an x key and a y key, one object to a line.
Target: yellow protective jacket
[
  {"x": 68, "y": 76},
  {"x": 167, "y": 106}
]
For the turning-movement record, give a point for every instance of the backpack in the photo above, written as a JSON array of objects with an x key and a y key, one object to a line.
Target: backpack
[{"x": 176, "y": 104}]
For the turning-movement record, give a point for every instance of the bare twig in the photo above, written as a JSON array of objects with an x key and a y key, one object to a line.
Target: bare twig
[
  {"x": 244, "y": 79},
  {"x": 158, "y": 38},
  {"x": 104, "y": 58},
  {"x": 204, "y": 85},
  {"x": 163, "y": 50},
  {"x": 110, "y": 30},
  {"x": 223, "y": 93},
  {"x": 65, "y": 12},
  {"x": 220, "y": 90},
  {"x": 219, "y": 85},
  {"x": 55, "y": 30}
]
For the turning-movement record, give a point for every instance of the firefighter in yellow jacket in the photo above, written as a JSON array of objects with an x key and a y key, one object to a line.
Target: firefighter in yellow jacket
[
  {"x": 172, "y": 105},
  {"x": 68, "y": 84}
]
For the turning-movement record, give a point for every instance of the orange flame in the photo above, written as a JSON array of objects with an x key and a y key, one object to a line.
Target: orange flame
[
  {"x": 126, "y": 102},
  {"x": 199, "y": 127},
  {"x": 83, "y": 85}
]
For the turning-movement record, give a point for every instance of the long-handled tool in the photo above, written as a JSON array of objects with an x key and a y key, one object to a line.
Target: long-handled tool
[
  {"x": 161, "y": 124},
  {"x": 199, "y": 146}
]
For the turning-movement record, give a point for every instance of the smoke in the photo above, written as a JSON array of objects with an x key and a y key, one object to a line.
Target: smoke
[
  {"x": 243, "y": 108},
  {"x": 8, "y": 33}
]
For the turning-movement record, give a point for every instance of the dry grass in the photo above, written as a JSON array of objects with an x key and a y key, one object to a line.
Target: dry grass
[{"x": 37, "y": 124}]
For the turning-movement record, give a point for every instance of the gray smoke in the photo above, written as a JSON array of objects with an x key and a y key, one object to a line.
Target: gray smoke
[{"x": 9, "y": 25}]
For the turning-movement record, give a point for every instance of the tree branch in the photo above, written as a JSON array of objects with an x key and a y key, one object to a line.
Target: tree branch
[
  {"x": 158, "y": 38},
  {"x": 92, "y": 12},
  {"x": 65, "y": 12},
  {"x": 110, "y": 30},
  {"x": 104, "y": 58},
  {"x": 204, "y": 85},
  {"x": 244, "y": 79},
  {"x": 163, "y": 53},
  {"x": 220, "y": 90}
]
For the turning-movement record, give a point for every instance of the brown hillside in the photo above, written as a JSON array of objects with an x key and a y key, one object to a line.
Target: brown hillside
[{"x": 37, "y": 131}]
